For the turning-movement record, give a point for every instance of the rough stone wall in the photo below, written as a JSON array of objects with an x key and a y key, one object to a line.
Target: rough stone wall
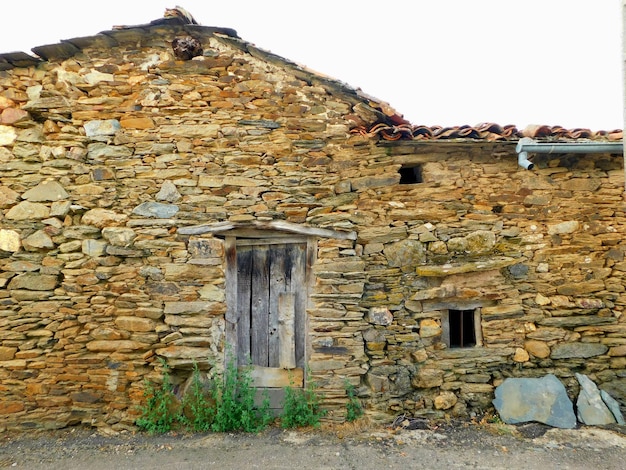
[
  {"x": 105, "y": 156},
  {"x": 541, "y": 253}
]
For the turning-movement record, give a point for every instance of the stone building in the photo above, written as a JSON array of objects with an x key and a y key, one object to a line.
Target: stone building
[{"x": 153, "y": 207}]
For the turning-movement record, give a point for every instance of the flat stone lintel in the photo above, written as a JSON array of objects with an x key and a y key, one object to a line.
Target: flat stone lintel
[{"x": 449, "y": 269}]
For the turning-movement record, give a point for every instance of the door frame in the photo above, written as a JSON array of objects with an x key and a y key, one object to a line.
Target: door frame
[
  {"x": 284, "y": 232},
  {"x": 267, "y": 376}
]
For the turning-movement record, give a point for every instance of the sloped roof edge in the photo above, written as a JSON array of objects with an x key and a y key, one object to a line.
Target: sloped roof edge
[
  {"x": 369, "y": 110},
  {"x": 374, "y": 118}
]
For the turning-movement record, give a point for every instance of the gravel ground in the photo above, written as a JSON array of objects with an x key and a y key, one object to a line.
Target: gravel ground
[{"x": 458, "y": 445}]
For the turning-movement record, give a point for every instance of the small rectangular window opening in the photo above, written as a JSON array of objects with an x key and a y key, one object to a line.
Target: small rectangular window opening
[
  {"x": 410, "y": 174},
  {"x": 462, "y": 324}
]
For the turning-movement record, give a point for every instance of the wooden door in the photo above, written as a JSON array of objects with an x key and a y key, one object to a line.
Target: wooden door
[{"x": 270, "y": 299}]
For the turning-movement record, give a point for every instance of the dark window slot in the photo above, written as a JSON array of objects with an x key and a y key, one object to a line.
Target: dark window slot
[
  {"x": 462, "y": 329},
  {"x": 410, "y": 174}
]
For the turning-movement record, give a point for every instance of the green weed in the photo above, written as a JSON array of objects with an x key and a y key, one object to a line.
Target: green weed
[
  {"x": 227, "y": 403},
  {"x": 234, "y": 400},
  {"x": 354, "y": 409},
  {"x": 301, "y": 407},
  {"x": 159, "y": 412},
  {"x": 198, "y": 406}
]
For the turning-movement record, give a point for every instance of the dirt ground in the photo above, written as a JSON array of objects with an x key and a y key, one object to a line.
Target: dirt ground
[{"x": 362, "y": 446}]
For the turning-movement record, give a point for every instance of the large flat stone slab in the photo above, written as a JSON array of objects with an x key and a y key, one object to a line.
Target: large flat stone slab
[
  {"x": 590, "y": 407},
  {"x": 520, "y": 400}
]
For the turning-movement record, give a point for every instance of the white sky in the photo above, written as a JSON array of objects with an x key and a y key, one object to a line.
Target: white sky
[{"x": 438, "y": 62}]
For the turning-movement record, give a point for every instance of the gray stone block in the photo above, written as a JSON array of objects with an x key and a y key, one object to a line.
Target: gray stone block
[
  {"x": 591, "y": 409},
  {"x": 544, "y": 400},
  {"x": 613, "y": 405}
]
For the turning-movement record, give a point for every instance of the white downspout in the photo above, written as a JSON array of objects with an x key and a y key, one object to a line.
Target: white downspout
[
  {"x": 527, "y": 145},
  {"x": 522, "y": 157}
]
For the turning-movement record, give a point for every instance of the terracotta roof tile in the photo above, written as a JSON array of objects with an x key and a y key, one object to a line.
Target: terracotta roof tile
[
  {"x": 392, "y": 126},
  {"x": 485, "y": 131}
]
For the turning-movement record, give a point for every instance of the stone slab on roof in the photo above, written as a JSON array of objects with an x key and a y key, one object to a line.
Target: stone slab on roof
[{"x": 18, "y": 59}]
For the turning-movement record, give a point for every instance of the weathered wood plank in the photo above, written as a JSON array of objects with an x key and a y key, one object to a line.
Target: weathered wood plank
[
  {"x": 231, "y": 330},
  {"x": 259, "y": 312},
  {"x": 276, "y": 398},
  {"x": 230, "y": 252},
  {"x": 244, "y": 284},
  {"x": 260, "y": 228},
  {"x": 277, "y": 263},
  {"x": 270, "y": 298},
  {"x": 305, "y": 273},
  {"x": 286, "y": 332},
  {"x": 271, "y": 241},
  {"x": 275, "y": 377}
]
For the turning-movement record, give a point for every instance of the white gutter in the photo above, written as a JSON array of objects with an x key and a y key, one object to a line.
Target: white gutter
[{"x": 527, "y": 145}]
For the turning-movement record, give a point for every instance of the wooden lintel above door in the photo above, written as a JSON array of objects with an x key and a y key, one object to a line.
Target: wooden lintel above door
[{"x": 267, "y": 228}]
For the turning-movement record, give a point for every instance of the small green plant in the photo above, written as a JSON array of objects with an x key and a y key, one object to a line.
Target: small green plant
[
  {"x": 197, "y": 407},
  {"x": 354, "y": 409},
  {"x": 235, "y": 407},
  {"x": 491, "y": 417},
  {"x": 160, "y": 411},
  {"x": 227, "y": 403},
  {"x": 301, "y": 407}
]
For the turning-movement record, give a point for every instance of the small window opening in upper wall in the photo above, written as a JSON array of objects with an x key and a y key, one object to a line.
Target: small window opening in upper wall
[
  {"x": 410, "y": 174},
  {"x": 463, "y": 327}
]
